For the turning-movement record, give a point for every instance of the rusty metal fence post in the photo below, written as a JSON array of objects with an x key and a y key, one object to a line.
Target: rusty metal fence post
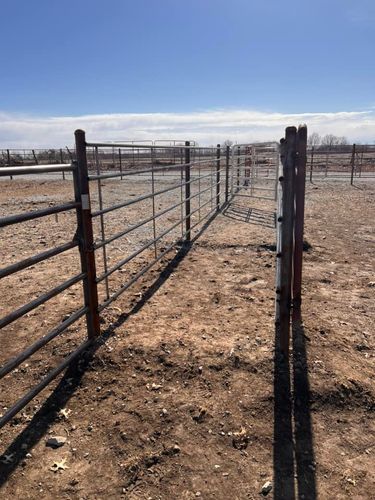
[
  {"x": 352, "y": 165},
  {"x": 312, "y": 164},
  {"x": 8, "y": 160},
  {"x": 85, "y": 236},
  {"x": 218, "y": 154},
  {"x": 285, "y": 225},
  {"x": 62, "y": 161},
  {"x": 187, "y": 191},
  {"x": 238, "y": 168},
  {"x": 227, "y": 156},
  {"x": 300, "y": 183}
]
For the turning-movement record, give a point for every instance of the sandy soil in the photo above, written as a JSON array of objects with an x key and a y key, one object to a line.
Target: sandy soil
[{"x": 184, "y": 397}]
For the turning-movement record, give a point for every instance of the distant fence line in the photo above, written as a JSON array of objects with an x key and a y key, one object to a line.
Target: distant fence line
[
  {"x": 350, "y": 161},
  {"x": 345, "y": 161}
]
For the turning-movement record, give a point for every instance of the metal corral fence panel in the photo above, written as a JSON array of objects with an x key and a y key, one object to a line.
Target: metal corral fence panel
[
  {"x": 254, "y": 170},
  {"x": 175, "y": 190},
  {"x": 80, "y": 239},
  {"x": 355, "y": 161},
  {"x": 168, "y": 192}
]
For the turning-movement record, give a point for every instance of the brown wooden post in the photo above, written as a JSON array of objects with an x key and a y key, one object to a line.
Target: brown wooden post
[
  {"x": 352, "y": 164},
  {"x": 218, "y": 153},
  {"x": 300, "y": 182},
  {"x": 187, "y": 191},
  {"x": 227, "y": 156},
  {"x": 285, "y": 235},
  {"x": 86, "y": 238}
]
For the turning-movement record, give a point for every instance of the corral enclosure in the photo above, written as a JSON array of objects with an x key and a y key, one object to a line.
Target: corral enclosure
[{"x": 194, "y": 366}]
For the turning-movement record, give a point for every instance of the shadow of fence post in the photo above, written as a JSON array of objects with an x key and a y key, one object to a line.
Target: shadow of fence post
[{"x": 293, "y": 458}]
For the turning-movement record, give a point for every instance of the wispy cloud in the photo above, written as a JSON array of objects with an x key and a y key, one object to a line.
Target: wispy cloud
[{"x": 207, "y": 127}]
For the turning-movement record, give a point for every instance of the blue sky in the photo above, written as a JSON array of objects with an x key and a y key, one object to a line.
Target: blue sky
[{"x": 77, "y": 58}]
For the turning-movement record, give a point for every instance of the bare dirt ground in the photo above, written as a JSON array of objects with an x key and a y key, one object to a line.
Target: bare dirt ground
[{"x": 179, "y": 399}]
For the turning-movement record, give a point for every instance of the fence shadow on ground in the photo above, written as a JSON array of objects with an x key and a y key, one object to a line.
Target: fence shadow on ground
[
  {"x": 293, "y": 454},
  {"x": 251, "y": 215},
  {"x": 49, "y": 411}
]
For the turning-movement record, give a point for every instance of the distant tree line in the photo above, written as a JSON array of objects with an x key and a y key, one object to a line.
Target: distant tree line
[{"x": 327, "y": 140}]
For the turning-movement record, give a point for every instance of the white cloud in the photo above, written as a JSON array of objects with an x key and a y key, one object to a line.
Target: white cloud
[{"x": 206, "y": 127}]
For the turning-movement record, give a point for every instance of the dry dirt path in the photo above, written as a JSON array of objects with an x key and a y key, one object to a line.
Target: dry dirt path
[{"x": 179, "y": 401}]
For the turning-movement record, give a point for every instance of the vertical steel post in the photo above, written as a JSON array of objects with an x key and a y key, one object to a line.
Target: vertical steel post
[
  {"x": 300, "y": 181},
  {"x": 62, "y": 161},
  {"x": 227, "y": 155},
  {"x": 153, "y": 200},
  {"x": 8, "y": 160},
  {"x": 187, "y": 191},
  {"x": 182, "y": 192},
  {"x": 120, "y": 160},
  {"x": 85, "y": 235},
  {"x": 311, "y": 164},
  {"x": 218, "y": 154},
  {"x": 102, "y": 224},
  {"x": 199, "y": 182},
  {"x": 238, "y": 168},
  {"x": 352, "y": 164},
  {"x": 285, "y": 233}
]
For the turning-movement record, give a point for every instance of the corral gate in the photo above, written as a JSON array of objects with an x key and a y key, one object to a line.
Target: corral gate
[{"x": 254, "y": 170}]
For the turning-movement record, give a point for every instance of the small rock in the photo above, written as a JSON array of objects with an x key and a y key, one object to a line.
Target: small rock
[
  {"x": 56, "y": 441},
  {"x": 57, "y": 466},
  {"x": 266, "y": 488},
  {"x": 240, "y": 439},
  {"x": 156, "y": 387}
]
